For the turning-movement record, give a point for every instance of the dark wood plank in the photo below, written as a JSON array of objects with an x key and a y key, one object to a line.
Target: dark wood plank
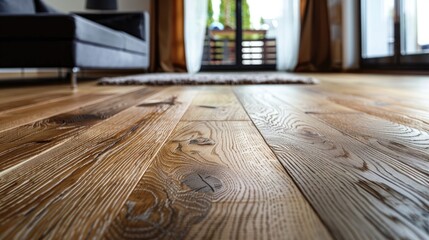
[
  {"x": 216, "y": 180},
  {"x": 20, "y": 144},
  {"x": 74, "y": 191},
  {"x": 359, "y": 192}
]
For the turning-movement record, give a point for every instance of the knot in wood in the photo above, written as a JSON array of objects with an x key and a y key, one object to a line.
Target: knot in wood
[
  {"x": 202, "y": 141},
  {"x": 200, "y": 182}
]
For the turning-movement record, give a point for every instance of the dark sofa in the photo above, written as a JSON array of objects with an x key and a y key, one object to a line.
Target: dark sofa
[{"x": 33, "y": 35}]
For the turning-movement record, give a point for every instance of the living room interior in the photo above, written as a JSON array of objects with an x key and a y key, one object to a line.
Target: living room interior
[{"x": 214, "y": 119}]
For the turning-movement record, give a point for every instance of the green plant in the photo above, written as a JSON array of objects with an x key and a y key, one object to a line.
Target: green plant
[
  {"x": 210, "y": 18},
  {"x": 227, "y": 13}
]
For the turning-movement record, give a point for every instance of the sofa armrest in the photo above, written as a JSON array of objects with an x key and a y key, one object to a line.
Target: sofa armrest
[{"x": 135, "y": 24}]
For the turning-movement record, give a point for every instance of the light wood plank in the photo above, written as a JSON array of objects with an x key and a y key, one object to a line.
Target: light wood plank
[
  {"x": 216, "y": 180},
  {"x": 359, "y": 192},
  {"x": 28, "y": 102},
  {"x": 215, "y": 104},
  {"x": 309, "y": 99},
  {"x": 406, "y": 144},
  {"x": 405, "y": 116},
  {"x": 403, "y": 143},
  {"x": 19, "y": 117},
  {"x": 400, "y": 97},
  {"x": 74, "y": 191},
  {"x": 27, "y": 92},
  {"x": 25, "y": 142},
  {"x": 325, "y": 99}
]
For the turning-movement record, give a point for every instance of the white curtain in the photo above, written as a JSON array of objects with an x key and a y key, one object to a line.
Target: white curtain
[
  {"x": 350, "y": 33},
  {"x": 288, "y": 35},
  {"x": 196, "y": 12}
]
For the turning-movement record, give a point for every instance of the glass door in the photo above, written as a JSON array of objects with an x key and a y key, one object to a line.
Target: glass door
[
  {"x": 378, "y": 31},
  {"x": 241, "y": 35},
  {"x": 259, "y": 30},
  {"x": 415, "y": 32},
  {"x": 220, "y": 48},
  {"x": 394, "y": 34}
]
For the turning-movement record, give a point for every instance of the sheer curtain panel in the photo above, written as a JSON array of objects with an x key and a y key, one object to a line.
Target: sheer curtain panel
[
  {"x": 196, "y": 12},
  {"x": 288, "y": 35}
]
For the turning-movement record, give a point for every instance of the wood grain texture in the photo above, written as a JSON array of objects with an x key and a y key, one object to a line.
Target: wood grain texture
[
  {"x": 399, "y": 97},
  {"x": 74, "y": 191},
  {"x": 406, "y": 144},
  {"x": 353, "y": 154},
  {"x": 410, "y": 117},
  {"x": 395, "y": 87},
  {"x": 28, "y": 102},
  {"x": 306, "y": 98},
  {"x": 406, "y": 92},
  {"x": 359, "y": 192},
  {"x": 23, "y": 143},
  {"x": 216, "y": 180},
  {"x": 19, "y": 117},
  {"x": 215, "y": 104}
]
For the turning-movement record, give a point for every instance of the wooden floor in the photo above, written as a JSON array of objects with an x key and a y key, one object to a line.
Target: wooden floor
[{"x": 345, "y": 159}]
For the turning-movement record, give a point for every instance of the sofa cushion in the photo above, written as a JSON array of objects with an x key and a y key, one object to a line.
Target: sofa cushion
[
  {"x": 66, "y": 27},
  {"x": 17, "y": 7},
  {"x": 42, "y": 7},
  {"x": 94, "y": 33},
  {"x": 131, "y": 23}
]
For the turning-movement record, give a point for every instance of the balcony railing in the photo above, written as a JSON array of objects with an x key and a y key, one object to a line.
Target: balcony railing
[{"x": 256, "y": 51}]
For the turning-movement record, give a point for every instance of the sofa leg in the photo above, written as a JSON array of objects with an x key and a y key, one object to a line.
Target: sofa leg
[{"x": 73, "y": 77}]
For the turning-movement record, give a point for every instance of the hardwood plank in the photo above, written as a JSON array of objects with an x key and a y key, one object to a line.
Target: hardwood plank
[
  {"x": 216, "y": 180},
  {"x": 329, "y": 100},
  {"x": 401, "y": 142},
  {"x": 19, "y": 117},
  {"x": 406, "y": 91},
  {"x": 399, "y": 97},
  {"x": 215, "y": 104},
  {"x": 23, "y": 143},
  {"x": 359, "y": 192},
  {"x": 26, "y": 92},
  {"x": 74, "y": 191},
  {"x": 31, "y": 100},
  {"x": 405, "y": 116},
  {"x": 309, "y": 99},
  {"x": 7, "y": 94},
  {"x": 405, "y": 86}
]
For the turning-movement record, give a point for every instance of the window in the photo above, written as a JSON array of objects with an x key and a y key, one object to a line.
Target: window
[
  {"x": 393, "y": 33},
  {"x": 378, "y": 25}
]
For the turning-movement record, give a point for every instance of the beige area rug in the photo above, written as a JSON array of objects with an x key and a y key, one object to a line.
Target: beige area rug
[{"x": 209, "y": 78}]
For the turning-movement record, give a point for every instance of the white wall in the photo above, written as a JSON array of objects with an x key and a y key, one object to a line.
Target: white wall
[{"x": 79, "y": 5}]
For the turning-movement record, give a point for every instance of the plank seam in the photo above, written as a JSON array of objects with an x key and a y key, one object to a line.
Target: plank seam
[{"x": 286, "y": 170}]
